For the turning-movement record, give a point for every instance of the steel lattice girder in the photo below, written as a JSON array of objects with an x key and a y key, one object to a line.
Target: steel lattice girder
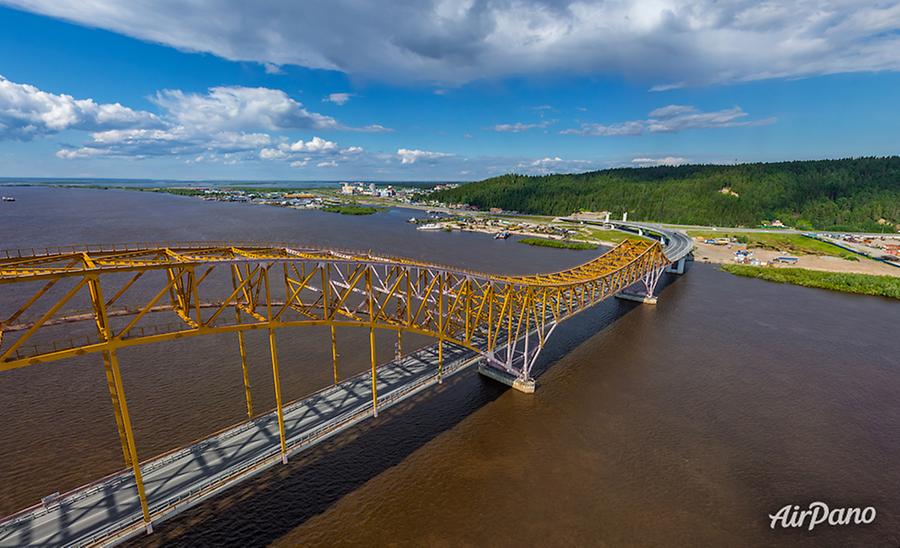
[{"x": 271, "y": 287}]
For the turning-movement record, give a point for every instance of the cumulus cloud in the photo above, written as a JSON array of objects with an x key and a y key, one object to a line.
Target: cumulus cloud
[
  {"x": 316, "y": 144},
  {"x": 171, "y": 141},
  {"x": 520, "y": 127},
  {"x": 225, "y": 123},
  {"x": 236, "y": 108},
  {"x": 663, "y": 161},
  {"x": 27, "y": 112},
  {"x": 272, "y": 154},
  {"x": 411, "y": 156},
  {"x": 672, "y": 119},
  {"x": 339, "y": 99},
  {"x": 299, "y": 153},
  {"x": 664, "y": 42}
]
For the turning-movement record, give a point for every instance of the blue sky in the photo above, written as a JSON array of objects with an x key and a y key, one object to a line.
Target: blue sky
[{"x": 443, "y": 90}]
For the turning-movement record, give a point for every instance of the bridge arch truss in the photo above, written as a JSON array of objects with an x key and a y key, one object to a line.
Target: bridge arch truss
[{"x": 145, "y": 294}]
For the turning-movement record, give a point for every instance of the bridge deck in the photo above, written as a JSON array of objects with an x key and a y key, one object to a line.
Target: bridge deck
[{"x": 110, "y": 510}]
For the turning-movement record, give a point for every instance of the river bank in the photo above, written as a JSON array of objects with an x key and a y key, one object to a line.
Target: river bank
[
  {"x": 861, "y": 284},
  {"x": 725, "y": 254}
]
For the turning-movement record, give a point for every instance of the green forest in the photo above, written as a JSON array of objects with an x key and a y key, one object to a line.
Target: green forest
[{"x": 860, "y": 194}]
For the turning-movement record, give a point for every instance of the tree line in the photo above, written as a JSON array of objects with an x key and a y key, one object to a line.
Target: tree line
[{"x": 861, "y": 194}]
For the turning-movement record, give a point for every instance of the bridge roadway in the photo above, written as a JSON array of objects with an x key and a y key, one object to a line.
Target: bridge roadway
[
  {"x": 676, "y": 243},
  {"x": 109, "y": 511}
]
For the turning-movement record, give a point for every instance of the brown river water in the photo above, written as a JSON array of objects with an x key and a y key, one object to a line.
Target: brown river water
[{"x": 683, "y": 424}]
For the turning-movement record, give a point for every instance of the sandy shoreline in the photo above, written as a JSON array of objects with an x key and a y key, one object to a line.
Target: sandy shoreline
[{"x": 721, "y": 254}]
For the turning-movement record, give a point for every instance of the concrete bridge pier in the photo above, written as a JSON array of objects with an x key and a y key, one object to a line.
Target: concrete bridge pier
[
  {"x": 525, "y": 385},
  {"x": 677, "y": 267},
  {"x": 507, "y": 371},
  {"x": 650, "y": 279}
]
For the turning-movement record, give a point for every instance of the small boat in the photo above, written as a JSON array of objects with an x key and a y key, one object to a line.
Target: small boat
[
  {"x": 501, "y": 235},
  {"x": 9, "y": 199},
  {"x": 430, "y": 226},
  {"x": 412, "y": 220}
]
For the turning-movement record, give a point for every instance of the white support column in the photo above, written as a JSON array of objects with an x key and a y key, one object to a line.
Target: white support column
[{"x": 650, "y": 280}]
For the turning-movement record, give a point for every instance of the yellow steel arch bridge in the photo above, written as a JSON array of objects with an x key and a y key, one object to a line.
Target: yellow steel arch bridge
[{"x": 142, "y": 294}]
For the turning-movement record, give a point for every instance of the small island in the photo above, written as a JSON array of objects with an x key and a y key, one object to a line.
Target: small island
[
  {"x": 559, "y": 244},
  {"x": 350, "y": 209}
]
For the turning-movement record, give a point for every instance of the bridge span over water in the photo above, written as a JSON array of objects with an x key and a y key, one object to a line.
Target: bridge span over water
[{"x": 143, "y": 294}]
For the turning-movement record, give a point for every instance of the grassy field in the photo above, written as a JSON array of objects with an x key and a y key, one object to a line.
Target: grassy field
[
  {"x": 787, "y": 243},
  {"x": 560, "y": 244},
  {"x": 863, "y": 284},
  {"x": 350, "y": 209},
  {"x": 612, "y": 236}
]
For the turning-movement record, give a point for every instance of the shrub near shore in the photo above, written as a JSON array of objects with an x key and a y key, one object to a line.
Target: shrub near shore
[{"x": 863, "y": 284}]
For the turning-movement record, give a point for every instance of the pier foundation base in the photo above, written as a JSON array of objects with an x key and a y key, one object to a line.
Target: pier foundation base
[
  {"x": 637, "y": 297},
  {"x": 526, "y": 386}
]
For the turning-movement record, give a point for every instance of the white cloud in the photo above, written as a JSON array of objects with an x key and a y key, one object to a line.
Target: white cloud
[
  {"x": 272, "y": 154},
  {"x": 520, "y": 127},
  {"x": 27, "y": 112},
  {"x": 664, "y": 161},
  {"x": 668, "y": 87},
  {"x": 625, "y": 128},
  {"x": 411, "y": 156},
  {"x": 272, "y": 68},
  {"x": 299, "y": 153},
  {"x": 223, "y": 123},
  {"x": 339, "y": 99},
  {"x": 172, "y": 141},
  {"x": 442, "y": 41},
  {"x": 84, "y": 152},
  {"x": 552, "y": 164},
  {"x": 236, "y": 107},
  {"x": 544, "y": 162},
  {"x": 672, "y": 119},
  {"x": 372, "y": 128},
  {"x": 316, "y": 144}
]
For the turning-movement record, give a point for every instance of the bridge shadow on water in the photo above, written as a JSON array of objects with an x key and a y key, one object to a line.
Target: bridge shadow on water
[{"x": 264, "y": 508}]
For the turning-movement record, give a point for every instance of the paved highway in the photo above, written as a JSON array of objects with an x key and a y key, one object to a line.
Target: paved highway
[{"x": 676, "y": 243}]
